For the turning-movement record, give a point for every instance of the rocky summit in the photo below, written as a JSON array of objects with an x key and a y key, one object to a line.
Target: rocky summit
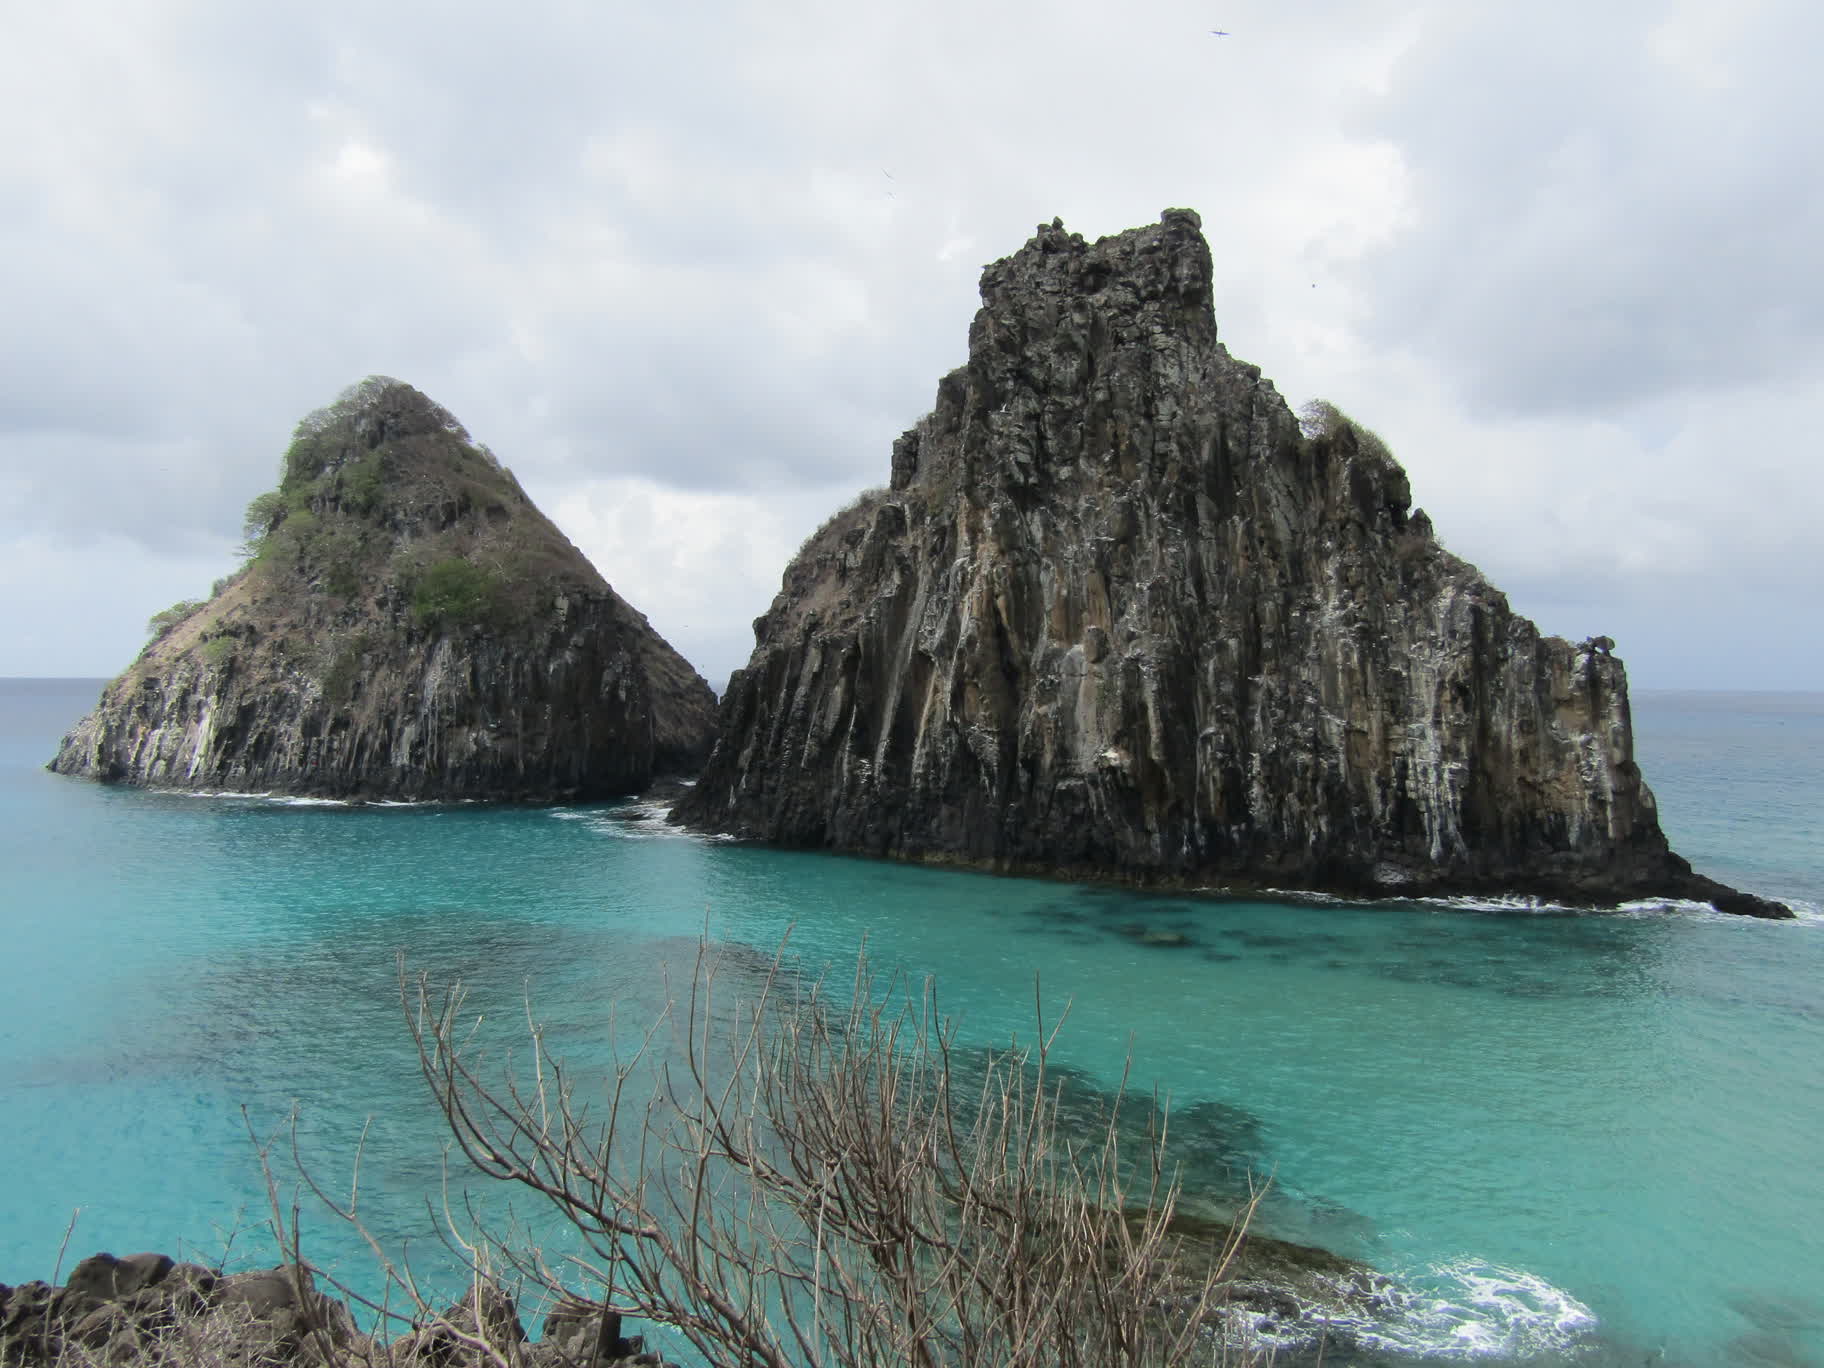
[
  {"x": 1121, "y": 613},
  {"x": 408, "y": 626}
]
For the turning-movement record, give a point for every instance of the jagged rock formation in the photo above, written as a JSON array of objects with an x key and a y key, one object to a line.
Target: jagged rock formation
[
  {"x": 409, "y": 627},
  {"x": 150, "y": 1309},
  {"x": 1118, "y": 614}
]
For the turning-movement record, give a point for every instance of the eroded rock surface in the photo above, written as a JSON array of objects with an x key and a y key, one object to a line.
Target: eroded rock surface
[
  {"x": 1117, "y": 614},
  {"x": 410, "y": 627},
  {"x": 149, "y": 1309}
]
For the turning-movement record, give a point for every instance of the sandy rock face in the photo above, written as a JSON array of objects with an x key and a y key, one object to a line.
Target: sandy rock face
[
  {"x": 410, "y": 627},
  {"x": 1117, "y": 614}
]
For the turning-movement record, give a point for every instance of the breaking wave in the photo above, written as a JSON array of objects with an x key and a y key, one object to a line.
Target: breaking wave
[
  {"x": 1803, "y": 909},
  {"x": 301, "y": 800},
  {"x": 1462, "y": 1310},
  {"x": 635, "y": 821},
  {"x": 1468, "y": 1308}
]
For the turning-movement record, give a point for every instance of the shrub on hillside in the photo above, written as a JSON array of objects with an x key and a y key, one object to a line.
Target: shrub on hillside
[
  {"x": 164, "y": 620},
  {"x": 454, "y": 592},
  {"x": 1320, "y": 419}
]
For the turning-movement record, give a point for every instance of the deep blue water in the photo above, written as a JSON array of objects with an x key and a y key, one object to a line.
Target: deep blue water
[{"x": 1575, "y": 1137}]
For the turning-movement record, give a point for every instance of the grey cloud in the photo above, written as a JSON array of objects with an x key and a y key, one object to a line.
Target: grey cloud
[
  {"x": 168, "y": 497},
  {"x": 722, "y": 395},
  {"x": 1605, "y": 211},
  {"x": 656, "y": 242}
]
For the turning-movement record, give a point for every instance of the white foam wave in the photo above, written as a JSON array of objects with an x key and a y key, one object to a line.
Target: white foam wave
[
  {"x": 635, "y": 822},
  {"x": 277, "y": 799},
  {"x": 1506, "y": 1310},
  {"x": 1461, "y": 902},
  {"x": 1804, "y": 910},
  {"x": 1664, "y": 905},
  {"x": 1656, "y": 907},
  {"x": 1462, "y": 1310},
  {"x": 1470, "y": 1308},
  {"x": 1501, "y": 902},
  {"x": 302, "y": 800},
  {"x": 1289, "y": 895}
]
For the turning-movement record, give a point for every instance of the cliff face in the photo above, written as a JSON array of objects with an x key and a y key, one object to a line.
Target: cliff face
[
  {"x": 1118, "y": 614},
  {"x": 410, "y": 626}
]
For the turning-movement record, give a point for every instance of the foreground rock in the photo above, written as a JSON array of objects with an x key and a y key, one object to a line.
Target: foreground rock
[
  {"x": 1117, "y": 614},
  {"x": 148, "y": 1309},
  {"x": 1284, "y": 1300},
  {"x": 410, "y": 626}
]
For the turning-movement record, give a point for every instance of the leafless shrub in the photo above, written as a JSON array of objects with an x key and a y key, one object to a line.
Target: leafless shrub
[
  {"x": 814, "y": 1181},
  {"x": 798, "y": 1177}
]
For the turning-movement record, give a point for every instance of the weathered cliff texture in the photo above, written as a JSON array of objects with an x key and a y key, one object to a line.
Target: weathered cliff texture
[
  {"x": 410, "y": 627},
  {"x": 1118, "y": 614}
]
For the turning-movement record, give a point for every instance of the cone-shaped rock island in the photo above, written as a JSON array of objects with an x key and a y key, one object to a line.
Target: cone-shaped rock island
[{"x": 408, "y": 627}]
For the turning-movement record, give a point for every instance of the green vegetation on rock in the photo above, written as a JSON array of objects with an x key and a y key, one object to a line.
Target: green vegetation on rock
[
  {"x": 359, "y": 484},
  {"x": 163, "y": 621},
  {"x": 263, "y": 514},
  {"x": 454, "y": 592},
  {"x": 1319, "y": 418},
  {"x": 382, "y": 466}
]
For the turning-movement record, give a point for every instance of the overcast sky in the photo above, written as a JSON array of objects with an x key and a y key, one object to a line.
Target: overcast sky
[{"x": 688, "y": 268}]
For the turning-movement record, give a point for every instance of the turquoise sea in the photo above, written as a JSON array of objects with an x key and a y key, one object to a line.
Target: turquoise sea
[{"x": 1572, "y": 1137}]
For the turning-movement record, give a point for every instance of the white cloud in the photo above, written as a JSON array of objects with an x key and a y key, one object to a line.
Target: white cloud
[
  {"x": 689, "y": 270},
  {"x": 1594, "y": 224},
  {"x": 676, "y": 554},
  {"x": 81, "y": 610}
]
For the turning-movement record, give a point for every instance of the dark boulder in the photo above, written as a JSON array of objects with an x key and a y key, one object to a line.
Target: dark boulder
[{"x": 107, "y": 1278}]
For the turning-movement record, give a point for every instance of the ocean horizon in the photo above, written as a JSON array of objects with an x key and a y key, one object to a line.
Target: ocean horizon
[{"x": 1568, "y": 1136}]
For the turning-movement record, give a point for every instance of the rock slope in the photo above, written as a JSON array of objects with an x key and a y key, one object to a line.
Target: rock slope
[
  {"x": 1120, "y": 614},
  {"x": 409, "y": 626}
]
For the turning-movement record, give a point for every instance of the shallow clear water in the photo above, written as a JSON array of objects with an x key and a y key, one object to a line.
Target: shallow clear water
[{"x": 1592, "y": 1135}]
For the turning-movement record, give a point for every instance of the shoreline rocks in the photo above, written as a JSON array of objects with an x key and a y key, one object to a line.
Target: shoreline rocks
[{"x": 148, "y": 1308}]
